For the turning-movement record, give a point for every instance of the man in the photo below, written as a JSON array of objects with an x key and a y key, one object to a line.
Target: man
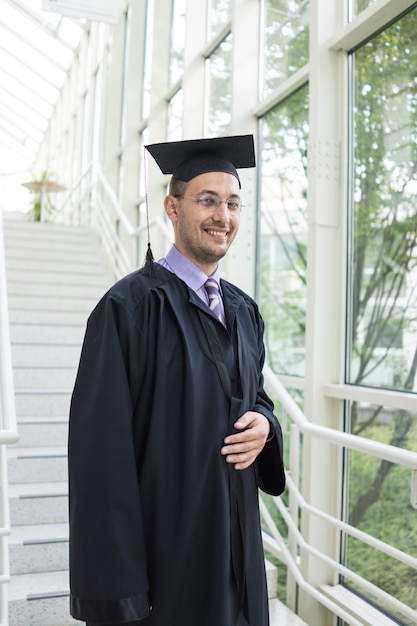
[{"x": 171, "y": 431}]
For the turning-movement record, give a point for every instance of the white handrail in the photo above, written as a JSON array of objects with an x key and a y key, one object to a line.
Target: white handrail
[
  {"x": 360, "y": 444},
  {"x": 390, "y": 453},
  {"x": 295, "y": 571},
  {"x": 337, "y": 567},
  {"x": 89, "y": 183},
  {"x": 8, "y": 429}
]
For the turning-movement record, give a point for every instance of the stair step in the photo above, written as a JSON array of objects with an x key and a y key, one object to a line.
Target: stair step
[
  {"x": 38, "y": 503},
  {"x": 13, "y": 222},
  {"x": 69, "y": 266},
  {"x": 39, "y": 403},
  {"x": 54, "y": 290},
  {"x": 63, "y": 264},
  {"x": 42, "y": 431},
  {"x": 34, "y": 241},
  {"x": 37, "y": 465},
  {"x": 40, "y": 600},
  {"x": 32, "y": 354},
  {"x": 29, "y": 377},
  {"x": 23, "y": 316},
  {"x": 281, "y": 615},
  {"x": 36, "y": 302},
  {"x": 38, "y": 548},
  {"x": 67, "y": 334},
  {"x": 18, "y": 248},
  {"x": 53, "y": 275}
]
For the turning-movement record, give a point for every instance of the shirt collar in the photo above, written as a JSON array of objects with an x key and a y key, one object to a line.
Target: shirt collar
[{"x": 188, "y": 271}]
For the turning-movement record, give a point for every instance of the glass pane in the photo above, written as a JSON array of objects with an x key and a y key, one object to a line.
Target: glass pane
[
  {"x": 219, "y": 12},
  {"x": 33, "y": 61},
  {"x": 283, "y": 233},
  {"x": 286, "y": 36},
  {"x": 379, "y": 503},
  {"x": 175, "y": 112},
  {"x": 383, "y": 301},
  {"x": 147, "y": 68},
  {"x": 176, "y": 61},
  {"x": 361, "y": 5},
  {"x": 219, "y": 69}
]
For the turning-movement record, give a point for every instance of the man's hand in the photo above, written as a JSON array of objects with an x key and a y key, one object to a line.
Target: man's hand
[{"x": 243, "y": 447}]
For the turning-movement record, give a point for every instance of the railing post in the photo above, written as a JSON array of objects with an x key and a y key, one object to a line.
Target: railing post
[{"x": 294, "y": 469}]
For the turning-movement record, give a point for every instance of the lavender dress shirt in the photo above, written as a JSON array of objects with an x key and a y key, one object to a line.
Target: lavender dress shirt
[{"x": 190, "y": 273}]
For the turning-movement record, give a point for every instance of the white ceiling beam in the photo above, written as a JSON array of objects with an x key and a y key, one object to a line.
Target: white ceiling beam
[
  {"x": 37, "y": 93},
  {"x": 39, "y": 51},
  {"x": 16, "y": 146},
  {"x": 23, "y": 123},
  {"x": 31, "y": 111},
  {"x": 31, "y": 69},
  {"x": 40, "y": 22}
]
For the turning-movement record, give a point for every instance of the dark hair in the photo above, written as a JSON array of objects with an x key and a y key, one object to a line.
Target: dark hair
[{"x": 177, "y": 187}]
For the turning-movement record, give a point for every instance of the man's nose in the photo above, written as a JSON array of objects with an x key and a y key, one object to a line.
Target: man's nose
[{"x": 222, "y": 211}]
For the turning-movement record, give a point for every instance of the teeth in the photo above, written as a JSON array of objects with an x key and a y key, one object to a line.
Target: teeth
[{"x": 217, "y": 233}]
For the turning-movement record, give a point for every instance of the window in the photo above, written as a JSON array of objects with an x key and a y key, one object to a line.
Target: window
[
  {"x": 176, "y": 61},
  {"x": 283, "y": 232},
  {"x": 379, "y": 503},
  {"x": 382, "y": 309},
  {"x": 175, "y": 112},
  {"x": 361, "y": 5},
  {"x": 219, "y": 12},
  {"x": 219, "y": 70},
  {"x": 286, "y": 35},
  {"x": 383, "y": 303}
]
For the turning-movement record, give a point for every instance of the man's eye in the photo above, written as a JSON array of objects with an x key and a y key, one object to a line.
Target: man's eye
[
  {"x": 232, "y": 205},
  {"x": 207, "y": 201}
]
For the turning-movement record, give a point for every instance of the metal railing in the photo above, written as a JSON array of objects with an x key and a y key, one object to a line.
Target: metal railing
[
  {"x": 288, "y": 551},
  {"x": 92, "y": 202},
  {"x": 8, "y": 429}
]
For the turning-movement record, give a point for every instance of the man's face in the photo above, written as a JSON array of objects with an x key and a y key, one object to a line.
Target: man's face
[{"x": 204, "y": 234}]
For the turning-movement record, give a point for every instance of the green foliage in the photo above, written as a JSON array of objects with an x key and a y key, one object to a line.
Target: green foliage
[
  {"x": 286, "y": 40},
  {"x": 391, "y": 519}
]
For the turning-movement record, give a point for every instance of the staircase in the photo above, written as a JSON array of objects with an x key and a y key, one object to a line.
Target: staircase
[{"x": 55, "y": 275}]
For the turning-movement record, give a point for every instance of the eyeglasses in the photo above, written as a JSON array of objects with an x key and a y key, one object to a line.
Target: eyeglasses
[{"x": 211, "y": 202}]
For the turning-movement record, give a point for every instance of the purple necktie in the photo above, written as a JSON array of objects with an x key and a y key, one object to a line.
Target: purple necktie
[{"x": 214, "y": 296}]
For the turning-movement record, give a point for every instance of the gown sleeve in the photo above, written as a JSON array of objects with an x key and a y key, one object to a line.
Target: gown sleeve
[
  {"x": 269, "y": 465},
  {"x": 108, "y": 572}
]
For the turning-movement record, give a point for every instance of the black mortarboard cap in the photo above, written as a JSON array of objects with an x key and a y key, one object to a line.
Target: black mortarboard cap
[{"x": 192, "y": 157}]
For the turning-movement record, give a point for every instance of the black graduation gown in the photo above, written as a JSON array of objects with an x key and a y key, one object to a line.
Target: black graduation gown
[{"x": 149, "y": 489}]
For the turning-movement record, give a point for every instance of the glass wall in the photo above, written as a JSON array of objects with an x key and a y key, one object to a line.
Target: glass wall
[
  {"x": 383, "y": 305},
  {"x": 382, "y": 312},
  {"x": 379, "y": 504},
  {"x": 286, "y": 37},
  {"x": 219, "y": 68},
  {"x": 218, "y": 15},
  {"x": 361, "y": 5},
  {"x": 283, "y": 233},
  {"x": 176, "y": 64}
]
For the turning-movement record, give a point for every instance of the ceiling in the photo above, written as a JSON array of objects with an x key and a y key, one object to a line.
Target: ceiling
[{"x": 36, "y": 50}]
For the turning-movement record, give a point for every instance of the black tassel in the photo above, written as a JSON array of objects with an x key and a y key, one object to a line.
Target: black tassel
[{"x": 149, "y": 265}]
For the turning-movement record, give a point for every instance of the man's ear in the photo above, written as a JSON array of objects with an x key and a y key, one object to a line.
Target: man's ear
[{"x": 170, "y": 204}]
